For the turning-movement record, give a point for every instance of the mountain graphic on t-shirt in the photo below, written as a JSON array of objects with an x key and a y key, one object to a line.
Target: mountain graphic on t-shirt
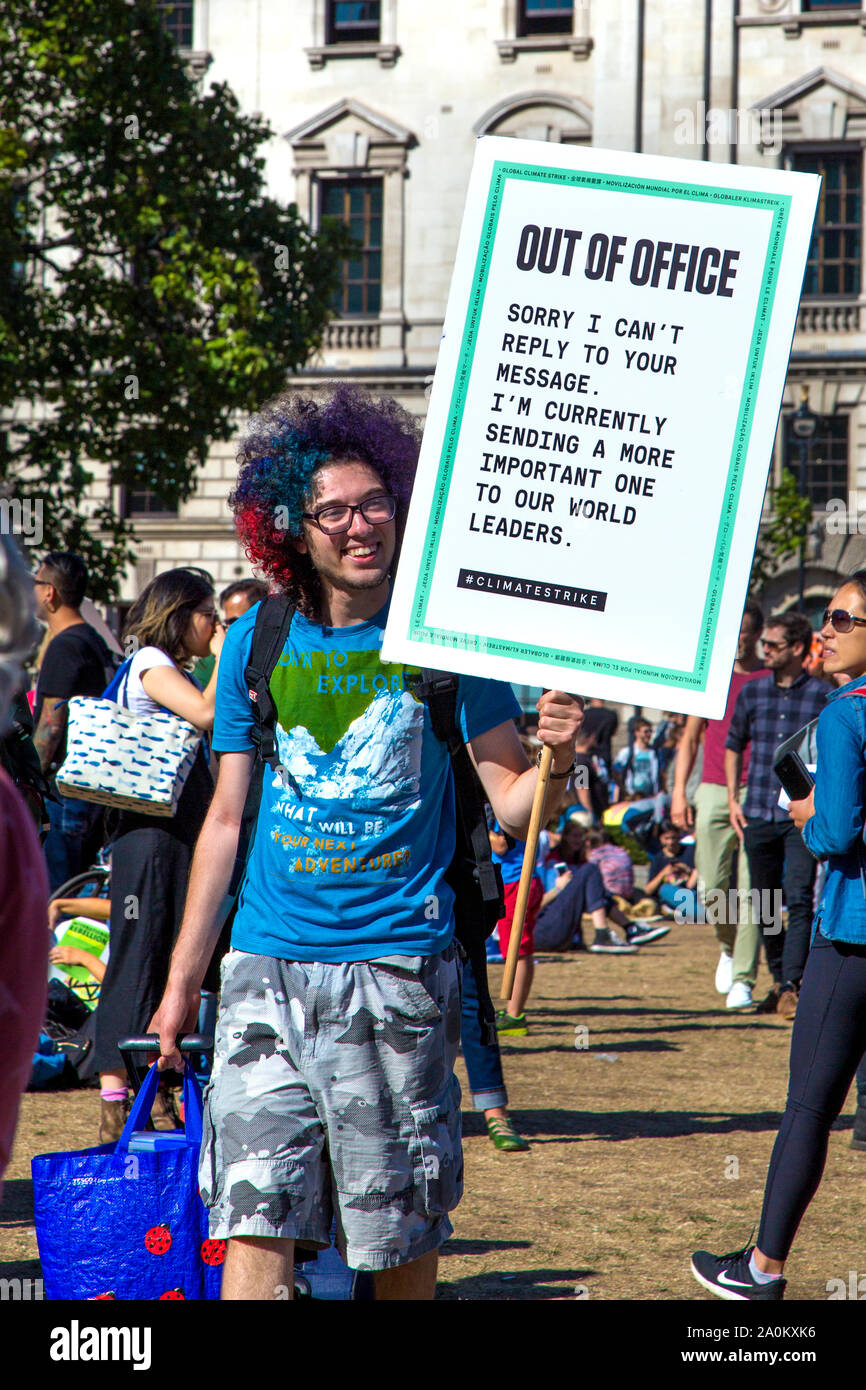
[
  {"x": 377, "y": 760},
  {"x": 325, "y": 691}
]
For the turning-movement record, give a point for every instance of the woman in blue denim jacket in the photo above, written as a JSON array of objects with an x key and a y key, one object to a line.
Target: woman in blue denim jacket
[{"x": 829, "y": 1036}]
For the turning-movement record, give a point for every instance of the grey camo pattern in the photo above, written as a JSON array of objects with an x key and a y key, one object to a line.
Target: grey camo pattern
[{"x": 333, "y": 1090}]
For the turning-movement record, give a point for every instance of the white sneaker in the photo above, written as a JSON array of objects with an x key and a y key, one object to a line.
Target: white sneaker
[
  {"x": 724, "y": 973},
  {"x": 739, "y": 996}
]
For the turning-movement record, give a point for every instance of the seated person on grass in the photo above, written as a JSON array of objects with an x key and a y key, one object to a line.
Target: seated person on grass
[
  {"x": 613, "y": 862},
  {"x": 62, "y": 955},
  {"x": 672, "y": 874},
  {"x": 579, "y": 890}
]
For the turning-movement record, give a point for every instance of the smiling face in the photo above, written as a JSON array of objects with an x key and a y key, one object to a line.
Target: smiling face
[
  {"x": 846, "y": 651},
  {"x": 356, "y": 561}
]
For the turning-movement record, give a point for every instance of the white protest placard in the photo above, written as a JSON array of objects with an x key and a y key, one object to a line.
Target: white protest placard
[{"x": 601, "y": 422}]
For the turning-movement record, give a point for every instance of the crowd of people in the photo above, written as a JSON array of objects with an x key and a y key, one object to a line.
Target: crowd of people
[{"x": 311, "y": 893}]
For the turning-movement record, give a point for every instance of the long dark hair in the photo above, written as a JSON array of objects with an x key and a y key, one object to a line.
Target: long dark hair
[{"x": 161, "y": 614}]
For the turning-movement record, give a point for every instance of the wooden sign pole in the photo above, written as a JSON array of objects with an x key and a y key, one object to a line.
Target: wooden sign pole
[{"x": 528, "y": 870}]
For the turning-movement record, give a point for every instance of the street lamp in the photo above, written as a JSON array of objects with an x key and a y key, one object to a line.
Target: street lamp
[{"x": 804, "y": 424}]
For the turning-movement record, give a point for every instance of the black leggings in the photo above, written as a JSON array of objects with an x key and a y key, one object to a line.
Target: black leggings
[{"x": 826, "y": 1048}]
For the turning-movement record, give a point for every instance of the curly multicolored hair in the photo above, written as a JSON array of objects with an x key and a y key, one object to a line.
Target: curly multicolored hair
[{"x": 285, "y": 444}]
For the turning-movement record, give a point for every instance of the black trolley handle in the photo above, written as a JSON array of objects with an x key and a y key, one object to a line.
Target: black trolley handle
[{"x": 149, "y": 1043}]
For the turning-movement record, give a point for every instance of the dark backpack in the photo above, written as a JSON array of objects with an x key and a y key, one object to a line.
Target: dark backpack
[
  {"x": 20, "y": 760},
  {"x": 475, "y": 879}
]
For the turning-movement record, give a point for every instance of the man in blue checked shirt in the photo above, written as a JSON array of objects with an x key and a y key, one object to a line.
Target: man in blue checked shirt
[{"x": 766, "y": 713}]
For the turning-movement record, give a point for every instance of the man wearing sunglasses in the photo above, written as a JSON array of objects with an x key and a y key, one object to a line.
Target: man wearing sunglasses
[
  {"x": 333, "y": 1091},
  {"x": 766, "y": 713}
]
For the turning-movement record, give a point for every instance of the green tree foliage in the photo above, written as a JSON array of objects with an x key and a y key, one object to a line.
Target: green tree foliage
[
  {"x": 149, "y": 286},
  {"x": 781, "y": 537}
]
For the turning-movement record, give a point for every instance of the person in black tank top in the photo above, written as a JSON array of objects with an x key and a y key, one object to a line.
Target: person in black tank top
[{"x": 76, "y": 662}]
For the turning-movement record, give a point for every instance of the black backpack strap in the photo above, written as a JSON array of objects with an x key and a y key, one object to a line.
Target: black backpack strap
[
  {"x": 439, "y": 690},
  {"x": 479, "y": 900},
  {"x": 273, "y": 621}
]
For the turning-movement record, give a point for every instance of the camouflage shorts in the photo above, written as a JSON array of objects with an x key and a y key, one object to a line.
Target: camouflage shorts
[{"x": 333, "y": 1090}]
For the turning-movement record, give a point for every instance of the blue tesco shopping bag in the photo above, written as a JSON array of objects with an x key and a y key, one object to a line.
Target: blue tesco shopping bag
[{"x": 123, "y": 1221}]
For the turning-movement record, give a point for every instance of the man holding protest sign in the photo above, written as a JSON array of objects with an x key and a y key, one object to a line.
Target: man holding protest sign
[{"x": 340, "y": 1011}]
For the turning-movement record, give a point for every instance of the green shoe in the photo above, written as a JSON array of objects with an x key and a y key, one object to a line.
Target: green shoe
[
  {"x": 511, "y": 1027},
  {"x": 504, "y": 1135}
]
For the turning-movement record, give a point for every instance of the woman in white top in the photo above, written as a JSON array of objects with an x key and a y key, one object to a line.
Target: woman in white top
[{"x": 173, "y": 622}]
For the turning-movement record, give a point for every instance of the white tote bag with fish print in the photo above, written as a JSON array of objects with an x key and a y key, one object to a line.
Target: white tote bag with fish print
[{"x": 135, "y": 762}]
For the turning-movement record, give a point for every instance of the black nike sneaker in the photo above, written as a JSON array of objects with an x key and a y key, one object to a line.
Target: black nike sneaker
[{"x": 729, "y": 1276}]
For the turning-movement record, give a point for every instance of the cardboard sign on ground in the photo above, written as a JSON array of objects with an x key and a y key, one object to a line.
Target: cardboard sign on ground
[{"x": 601, "y": 422}]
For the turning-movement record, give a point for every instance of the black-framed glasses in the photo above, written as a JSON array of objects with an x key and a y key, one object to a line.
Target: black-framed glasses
[
  {"x": 339, "y": 517},
  {"x": 841, "y": 620}
]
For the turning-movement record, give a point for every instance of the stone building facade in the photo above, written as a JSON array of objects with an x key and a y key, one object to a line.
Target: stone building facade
[{"x": 376, "y": 108}]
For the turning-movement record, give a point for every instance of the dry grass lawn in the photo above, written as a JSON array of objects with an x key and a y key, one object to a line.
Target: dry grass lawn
[{"x": 650, "y": 1141}]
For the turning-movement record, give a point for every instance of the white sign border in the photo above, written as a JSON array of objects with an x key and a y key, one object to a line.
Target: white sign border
[{"x": 790, "y": 198}]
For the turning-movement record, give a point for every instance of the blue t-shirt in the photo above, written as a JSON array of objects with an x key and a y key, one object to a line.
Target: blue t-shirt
[
  {"x": 511, "y": 862},
  {"x": 352, "y": 843}
]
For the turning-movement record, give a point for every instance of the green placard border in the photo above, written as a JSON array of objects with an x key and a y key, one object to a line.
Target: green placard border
[{"x": 696, "y": 679}]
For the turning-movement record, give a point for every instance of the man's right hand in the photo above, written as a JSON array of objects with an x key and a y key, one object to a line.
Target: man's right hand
[
  {"x": 177, "y": 1013},
  {"x": 682, "y": 814},
  {"x": 738, "y": 820}
]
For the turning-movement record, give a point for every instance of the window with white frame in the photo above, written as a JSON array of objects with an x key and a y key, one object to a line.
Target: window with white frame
[
  {"x": 544, "y": 17},
  {"x": 533, "y": 25},
  {"x": 353, "y": 21},
  {"x": 353, "y": 29},
  {"x": 357, "y": 202},
  {"x": 177, "y": 19}
]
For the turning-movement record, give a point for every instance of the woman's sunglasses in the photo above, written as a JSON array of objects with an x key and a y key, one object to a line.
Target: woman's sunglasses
[{"x": 841, "y": 620}]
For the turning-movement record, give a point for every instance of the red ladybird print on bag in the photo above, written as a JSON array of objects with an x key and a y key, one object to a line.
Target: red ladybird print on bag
[
  {"x": 213, "y": 1252},
  {"x": 158, "y": 1240},
  {"x": 101, "y": 1297},
  {"x": 172, "y": 1294}
]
